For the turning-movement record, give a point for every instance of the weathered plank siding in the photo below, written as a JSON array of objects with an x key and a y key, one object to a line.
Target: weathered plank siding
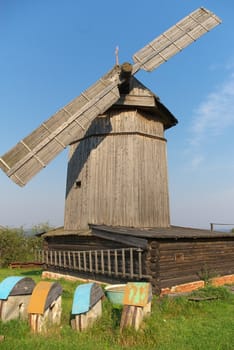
[
  {"x": 117, "y": 175},
  {"x": 174, "y": 262}
]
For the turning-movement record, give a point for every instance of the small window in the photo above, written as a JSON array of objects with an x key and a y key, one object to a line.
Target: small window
[
  {"x": 78, "y": 184},
  {"x": 179, "y": 257}
]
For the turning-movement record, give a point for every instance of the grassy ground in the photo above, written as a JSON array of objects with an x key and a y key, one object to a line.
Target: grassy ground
[{"x": 175, "y": 324}]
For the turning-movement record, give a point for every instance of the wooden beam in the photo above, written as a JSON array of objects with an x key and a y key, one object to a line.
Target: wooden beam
[{"x": 125, "y": 239}]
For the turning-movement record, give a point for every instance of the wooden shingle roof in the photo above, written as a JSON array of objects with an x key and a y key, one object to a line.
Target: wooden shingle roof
[{"x": 172, "y": 232}]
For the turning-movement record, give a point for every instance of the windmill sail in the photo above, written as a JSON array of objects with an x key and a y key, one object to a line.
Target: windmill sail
[
  {"x": 35, "y": 151},
  {"x": 175, "y": 39}
]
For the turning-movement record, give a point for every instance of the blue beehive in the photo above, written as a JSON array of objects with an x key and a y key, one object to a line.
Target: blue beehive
[{"x": 86, "y": 306}]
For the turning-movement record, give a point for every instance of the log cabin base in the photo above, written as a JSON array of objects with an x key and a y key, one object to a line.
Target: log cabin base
[
  {"x": 182, "y": 288},
  {"x": 189, "y": 287},
  {"x": 57, "y": 276},
  {"x": 164, "y": 257}
]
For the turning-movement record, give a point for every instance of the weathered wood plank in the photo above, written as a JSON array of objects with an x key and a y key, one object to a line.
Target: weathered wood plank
[
  {"x": 127, "y": 240},
  {"x": 110, "y": 150}
]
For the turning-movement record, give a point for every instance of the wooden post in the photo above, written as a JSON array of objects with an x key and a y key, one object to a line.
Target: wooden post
[
  {"x": 60, "y": 258},
  {"x": 116, "y": 263},
  {"x": 47, "y": 259},
  {"x": 137, "y": 304},
  {"x": 102, "y": 262},
  {"x": 90, "y": 262},
  {"x": 109, "y": 262},
  {"x": 79, "y": 261},
  {"x": 131, "y": 262},
  {"x": 123, "y": 264},
  {"x": 84, "y": 261},
  {"x": 55, "y": 258},
  {"x": 139, "y": 251},
  {"x": 69, "y": 259},
  {"x": 64, "y": 259},
  {"x": 96, "y": 261}
]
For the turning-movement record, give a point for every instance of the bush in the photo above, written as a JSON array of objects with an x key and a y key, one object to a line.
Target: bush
[{"x": 16, "y": 246}]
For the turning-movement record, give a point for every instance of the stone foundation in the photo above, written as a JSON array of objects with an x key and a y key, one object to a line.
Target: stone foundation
[
  {"x": 182, "y": 288},
  {"x": 189, "y": 287}
]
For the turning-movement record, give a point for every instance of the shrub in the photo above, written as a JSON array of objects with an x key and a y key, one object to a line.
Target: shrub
[{"x": 16, "y": 246}]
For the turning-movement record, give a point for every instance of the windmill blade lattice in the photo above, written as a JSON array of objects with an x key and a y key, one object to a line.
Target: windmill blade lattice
[
  {"x": 175, "y": 39},
  {"x": 36, "y": 150}
]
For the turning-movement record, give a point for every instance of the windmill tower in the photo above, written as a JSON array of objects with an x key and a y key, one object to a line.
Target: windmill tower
[{"x": 117, "y": 171}]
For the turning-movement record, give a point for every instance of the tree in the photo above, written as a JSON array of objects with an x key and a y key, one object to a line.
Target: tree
[{"x": 16, "y": 246}]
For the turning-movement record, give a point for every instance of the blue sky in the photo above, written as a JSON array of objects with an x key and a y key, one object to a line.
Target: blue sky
[{"x": 51, "y": 50}]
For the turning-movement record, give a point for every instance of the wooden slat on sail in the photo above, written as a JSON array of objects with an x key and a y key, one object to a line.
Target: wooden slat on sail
[
  {"x": 175, "y": 39},
  {"x": 36, "y": 150}
]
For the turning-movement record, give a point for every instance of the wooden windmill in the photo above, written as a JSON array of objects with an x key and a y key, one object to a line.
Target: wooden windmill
[{"x": 117, "y": 171}]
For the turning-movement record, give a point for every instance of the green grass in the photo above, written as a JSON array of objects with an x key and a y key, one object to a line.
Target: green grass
[{"x": 174, "y": 324}]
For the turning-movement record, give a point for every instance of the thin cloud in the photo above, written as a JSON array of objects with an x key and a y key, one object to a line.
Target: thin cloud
[
  {"x": 197, "y": 160},
  {"x": 212, "y": 118},
  {"x": 230, "y": 64},
  {"x": 216, "y": 113}
]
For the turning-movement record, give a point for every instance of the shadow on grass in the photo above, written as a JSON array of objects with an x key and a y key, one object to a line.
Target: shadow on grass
[
  {"x": 31, "y": 273},
  {"x": 116, "y": 316}
]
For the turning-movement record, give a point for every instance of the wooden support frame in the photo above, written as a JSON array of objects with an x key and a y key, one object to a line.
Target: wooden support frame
[
  {"x": 137, "y": 304},
  {"x": 118, "y": 263}
]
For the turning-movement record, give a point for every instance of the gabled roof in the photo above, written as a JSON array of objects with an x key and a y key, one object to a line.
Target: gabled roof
[{"x": 138, "y": 95}]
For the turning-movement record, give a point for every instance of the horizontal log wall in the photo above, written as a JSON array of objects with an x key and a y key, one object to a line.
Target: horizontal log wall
[
  {"x": 176, "y": 262},
  {"x": 166, "y": 262},
  {"x": 152, "y": 265}
]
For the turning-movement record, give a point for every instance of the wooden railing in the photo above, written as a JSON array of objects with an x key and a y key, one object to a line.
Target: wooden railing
[{"x": 124, "y": 262}]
